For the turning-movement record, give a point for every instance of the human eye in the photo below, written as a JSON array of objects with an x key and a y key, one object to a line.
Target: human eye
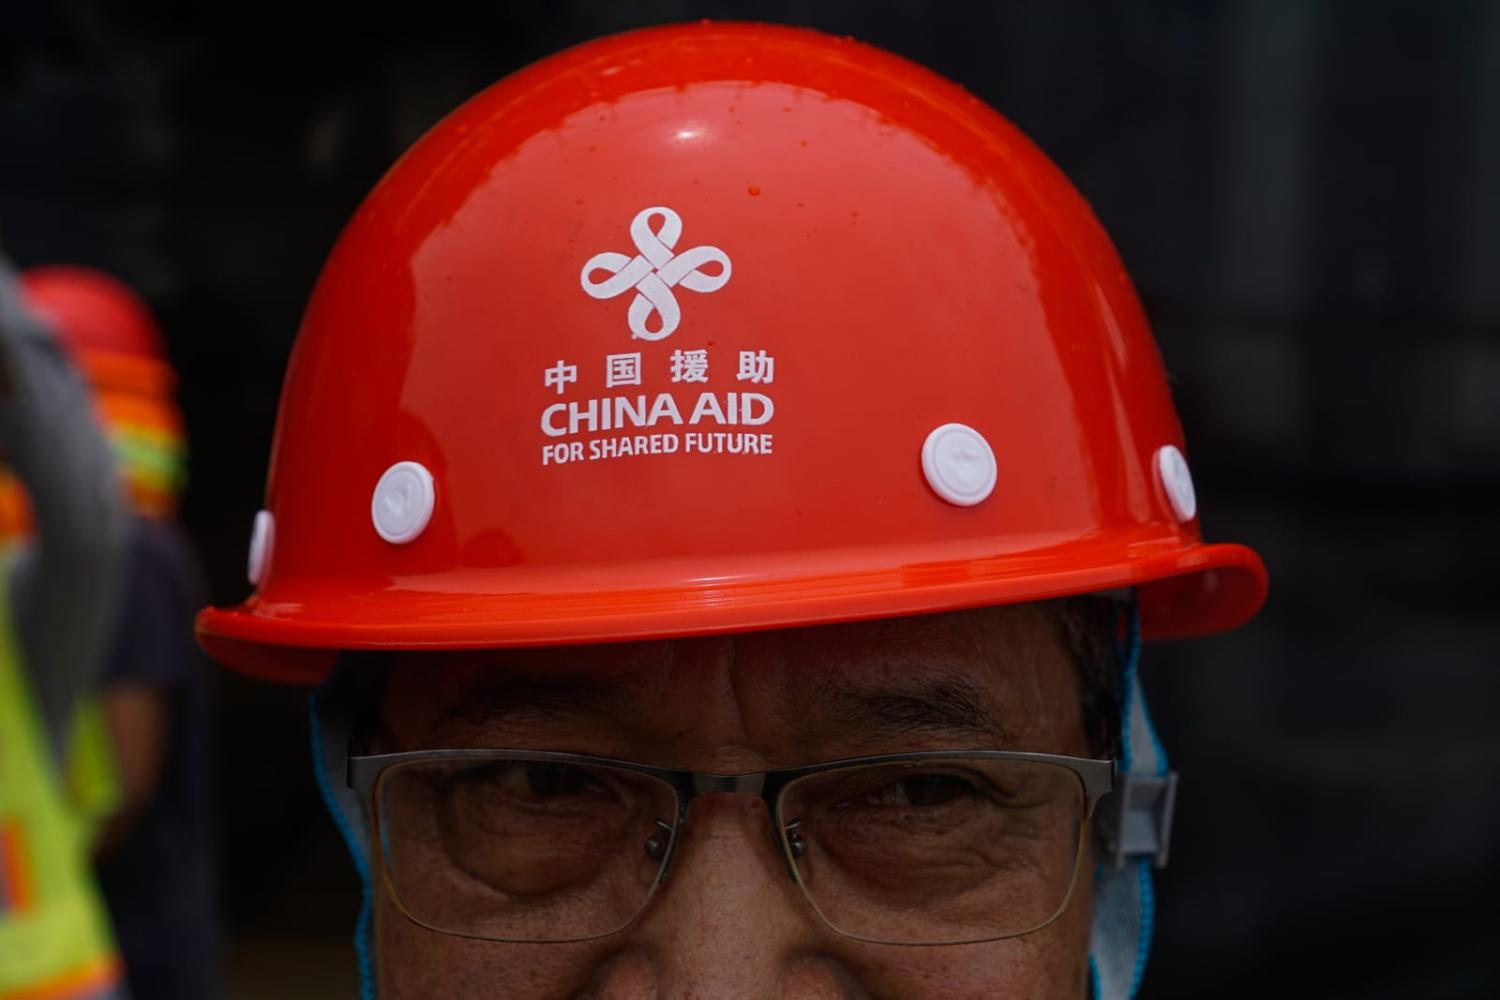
[
  {"x": 939, "y": 798},
  {"x": 520, "y": 828},
  {"x": 981, "y": 842},
  {"x": 529, "y": 787},
  {"x": 920, "y": 791}
]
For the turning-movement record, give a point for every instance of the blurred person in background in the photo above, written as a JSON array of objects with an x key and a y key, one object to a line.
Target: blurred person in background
[
  {"x": 735, "y": 454},
  {"x": 60, "y": 583},
  {"x": 156, "y": 854}
]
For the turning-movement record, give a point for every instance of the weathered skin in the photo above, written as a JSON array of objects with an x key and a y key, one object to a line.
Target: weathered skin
[{"x": 729, "y": 923}]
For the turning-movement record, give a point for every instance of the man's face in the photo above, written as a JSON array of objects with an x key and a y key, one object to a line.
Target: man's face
[{"x": 728, "y": 922}]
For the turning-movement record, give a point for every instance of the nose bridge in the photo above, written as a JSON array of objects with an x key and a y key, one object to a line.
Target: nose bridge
[
  {"x": 744, "y": 785},
  {"x": 728, "y": 923}
]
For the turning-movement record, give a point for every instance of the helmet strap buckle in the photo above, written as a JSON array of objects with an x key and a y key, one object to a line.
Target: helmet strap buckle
[{"x": 1135, "y": 820}]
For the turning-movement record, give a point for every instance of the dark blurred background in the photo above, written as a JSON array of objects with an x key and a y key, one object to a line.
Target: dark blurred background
[{"x": 1308, "y": 197}]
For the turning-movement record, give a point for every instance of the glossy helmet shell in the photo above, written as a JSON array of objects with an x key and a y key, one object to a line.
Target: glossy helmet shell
[{"x": 901, "y": 254}]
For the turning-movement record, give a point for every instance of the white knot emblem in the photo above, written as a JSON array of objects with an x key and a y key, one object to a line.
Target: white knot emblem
[{"x": 654, "y": 271}]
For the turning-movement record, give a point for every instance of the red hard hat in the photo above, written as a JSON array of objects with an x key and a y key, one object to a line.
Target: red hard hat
[
  {"x": 708, "y": 329},
  {"x": 104, "y": 325},
  {"x": 115, "y": 341}
]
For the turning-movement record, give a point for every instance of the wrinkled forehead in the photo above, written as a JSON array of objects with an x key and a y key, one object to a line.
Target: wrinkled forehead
[{"x": 993, "y": 677}]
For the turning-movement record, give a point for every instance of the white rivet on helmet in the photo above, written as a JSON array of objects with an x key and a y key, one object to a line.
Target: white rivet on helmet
[
  {"x": 1177, "y": 482},
  {"x": 403, "y": 502},
  {"x": 959, "y": 464},
  {"x": 261, "y": 537}
]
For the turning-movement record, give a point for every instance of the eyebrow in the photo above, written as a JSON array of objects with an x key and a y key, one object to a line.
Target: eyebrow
[
  {"x": 507, "y": 699},
  {"x": 941, "y": 707}
]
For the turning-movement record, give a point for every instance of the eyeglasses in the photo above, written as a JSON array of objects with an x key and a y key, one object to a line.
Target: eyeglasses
[{"x": 945, "y": 847}]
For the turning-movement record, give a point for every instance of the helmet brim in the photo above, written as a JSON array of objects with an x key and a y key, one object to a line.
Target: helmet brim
[{"x": 1184, "y": 592}]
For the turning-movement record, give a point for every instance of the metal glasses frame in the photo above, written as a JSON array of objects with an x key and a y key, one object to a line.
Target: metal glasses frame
[{"x": 1098, "y": 778}]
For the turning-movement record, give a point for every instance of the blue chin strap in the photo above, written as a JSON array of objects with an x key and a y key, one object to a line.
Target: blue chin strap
[
  {"x": 1134, "y": 826},
  {"x": 334, "y": 712},
  {"x": 1134, "y": 823}
]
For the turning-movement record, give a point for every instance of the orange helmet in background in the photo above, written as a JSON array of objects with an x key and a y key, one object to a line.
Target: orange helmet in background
[
  {"x": 114, "y": 339},
  {"x": 715, "y": 328},
  {"x": 15, "y": 508}
]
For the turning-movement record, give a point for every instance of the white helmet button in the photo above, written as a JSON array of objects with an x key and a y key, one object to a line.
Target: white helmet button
[
  {"x": 1177, "y": 482},
  {"x": 403, "y": 502},
  {"x": 261, "y": 537},
  {"x": 959, "y": 464}
]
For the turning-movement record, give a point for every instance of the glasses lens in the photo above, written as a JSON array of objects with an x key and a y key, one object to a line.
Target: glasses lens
[
  {"x": 522, "y": 850},
  {"x": 938, "y": 851}
]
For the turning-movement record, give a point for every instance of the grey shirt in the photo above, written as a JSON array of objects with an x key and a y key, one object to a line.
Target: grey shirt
[{"x": 63, "y": 584}]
